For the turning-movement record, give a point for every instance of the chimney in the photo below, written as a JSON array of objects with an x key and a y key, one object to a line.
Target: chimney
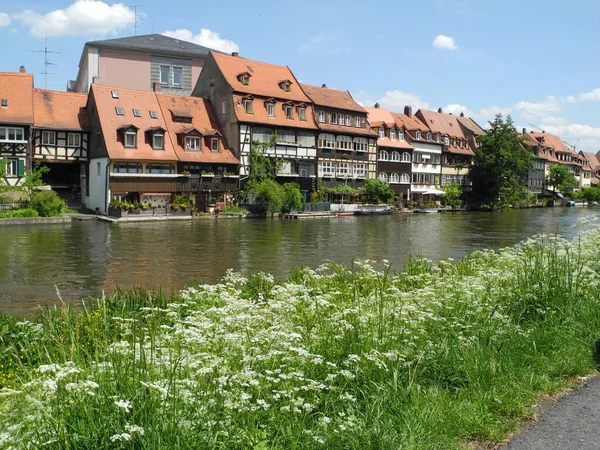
[
  {"x": 462, "y": 114},
  {"x": 156, "y": 87},
  {"x": 524, "y": 130},
  {"x": 376, "y": 105},
  {"x": 440, "y": 110},
  {"x": 22, "y": 69},
  {"x": 543, "y": 131},
  {"x": 236, "y": 54},
  {"x": 323, "y": 85},
  {"x": 408, "y": 111}
]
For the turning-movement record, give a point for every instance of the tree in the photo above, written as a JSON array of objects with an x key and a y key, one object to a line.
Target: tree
[
  {"x": 268, "y": 196},
  {"x": 501, "y": 166},
  {"x": 33, "y": 180},
  {"x": 561, "y": 178},
  {"x": 261, "y": 167},
  {"x": 4, "y": 187},
  {"x": 292, "y": 197},
  {"x": 378, "y": 191},
  {"x": 453, "y": 196}
]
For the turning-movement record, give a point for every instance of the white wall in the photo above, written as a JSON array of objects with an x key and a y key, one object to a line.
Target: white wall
[{"x": 98, "y": 185}]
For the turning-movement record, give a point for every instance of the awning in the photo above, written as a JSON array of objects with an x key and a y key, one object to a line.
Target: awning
[
  {"x": 560, "y": 195},
  {"x": 432, "y": 192}
]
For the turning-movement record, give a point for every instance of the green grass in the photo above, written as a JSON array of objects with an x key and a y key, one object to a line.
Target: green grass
[{"x": 432, "y": 356}]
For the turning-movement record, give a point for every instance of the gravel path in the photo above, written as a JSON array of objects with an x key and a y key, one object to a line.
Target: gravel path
[{"x": 572, "y": 423}]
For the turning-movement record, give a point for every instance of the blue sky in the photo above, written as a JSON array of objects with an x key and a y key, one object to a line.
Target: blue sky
[{"x": 536, "y": 60}]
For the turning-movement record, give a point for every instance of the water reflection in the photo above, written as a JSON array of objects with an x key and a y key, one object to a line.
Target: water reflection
[{"x": 86, "y": 258}]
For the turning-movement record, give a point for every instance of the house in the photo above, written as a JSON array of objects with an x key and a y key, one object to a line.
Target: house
[
  {"x": 201, "y": 150},
  {"x": 394, "y": 159},
  {"x": 60, "y": 141},
  {"x": 141, "y": 62},
  {"x": 594, "y": 164},
  {"x": 458, "y": 135},
  {"x": 258, "y": 104},
  {"x": 16, "y": 119},
  {"x": 536, "y": 179},
  {"x": 130, "y": 158},
  {"x": 346, "y": 145},
  {"x": 427, "y": 153}
]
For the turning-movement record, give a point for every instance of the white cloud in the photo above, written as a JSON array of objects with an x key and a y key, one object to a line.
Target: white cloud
[
  {"x": 456, "y": 109},
  {"x": 584, "y": 137},
  {"x": 571, "y": 99},
  {"x": 4, "y": 19},
  {"x": 551, "y": 120},
  {"x": 444, "y": 42},
  {"x": 590, "y": 96},
  {"x": 206, "y": 38},
  {"x": 532, "y": 111},
  {"x": 82, "y": 18},
  {"x": 397, "y": 100}
]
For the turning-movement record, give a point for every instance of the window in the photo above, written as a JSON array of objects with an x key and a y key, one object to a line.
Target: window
[
  {"x": 357, "y": 122},
  {"x": 177, "y": 72},
  {"x": 383, "y": 176},
  {"x": 12, "y": 134},
  {"x": 114, "y": 94},
  {"x": 394, "y": 178},
  {"x": 224, "y": 107},
  {"x": 344, "y": 143},
  {"x": 158, "y": 141},
  {"x": 334, "y": 118},
  {"x": 289, "y": 112},
  {"x": 322, "y": 116},
  {"x": 192, "y": 143},
  {"x": 326, "y": 140},
  {"x": 137, "y": 113},
  {"x": 286, "y": 136},
  {"x": 48, "y": 138},
  {"x": 326, "y": 169},
  {"x": 214, "y": 145},
  {"x": 404, "y": 178},
  {"x": 446, "y": 140},
  {"x": 438, "y": 137},
  {"x": 15, "y": 168},
  {"x": 98, "y": 169},
  {"x": 73, "y": 140},
  {"x": 360, "y": 170},
  {"x": 248, "y": 106},
  {"x": 119, "y": 111},
  {"x": 381, "y": 132},
  {"x": 125, "y": 168},
  {"x": 160, "y": 168},
  {"x": 153, "y": 115},
  {"x": 164, "y": 75},
  {"x": 348, "y": 121},
  {"x": 395, "y": 156},
  {"x": 383, "y": 156},
  {"x": 246, "y": 79},
  {"x": 418, "y": 135},
  {"x": 460, "y": 143},
  {"x": 262, "y": 135},
  {"x": 271, "y": 109},
  {"x": 286, "y": 86},
  {"x": 466, "y": 144},
  {"x": 302, "y": 113},
  {"x": 453, "y": 142},
  {"x": 392, "y": 134},
  {"x": 306, "y": 139},
  {"x": 131, "y": 139},
  {"x": 5, "y": 103},
  {"x": 400, "y": 135},
  {"x": 343, "y": 170},
  {"x": 360, "y": 145},
  {"x": 429, "y": 136},
  {"x": 405, "y": 157}
]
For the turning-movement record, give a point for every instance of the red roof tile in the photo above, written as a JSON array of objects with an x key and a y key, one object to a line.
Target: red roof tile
[
  {"x": 17, "y": 89},
  {"x": 60, "y": 110},
  {"x": 332, "y": 98},
  {"x": 379, "y": 115},
  {"x": 410, "y": 123},
  {"x": 341, "y": 129},
  {"x": 446, "y": 124},
  {"x": 387, "y": 142},
  {"x": 592, "y": 159},
  {"x": 259, "y": 113}
]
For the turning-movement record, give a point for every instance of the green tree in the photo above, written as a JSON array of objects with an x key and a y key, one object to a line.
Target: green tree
[
  {"x": 561, "y": 178},
  {"x": 453, "y": 196},
  {"x": 261, "y": 167},
  {"x": 47, "y": 204},
  {"x": 268, "y": 196},
  {"x": 33, "y": 180},
  {"x": 292, "y": 197},
  {"x": 378, "y": 191},
  {"x": 501, "y": 166},
  {"x": 4, "y": 187}
]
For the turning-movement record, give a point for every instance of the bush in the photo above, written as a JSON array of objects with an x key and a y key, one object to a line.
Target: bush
[
  {"x": 48, "y": 204},
  {"x": 28, "y": 212}
]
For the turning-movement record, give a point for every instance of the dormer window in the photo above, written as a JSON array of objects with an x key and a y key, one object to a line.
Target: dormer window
[
  {"x": 289, "y": 112},
  {"x": 137, "y": 113},
  {"x": 302, "y": 113},
  {"x": 286, "y": 85},
  {"x": 392, "y": 134},
  {"x": 271, "y": 109},
  {"x": 348, "y": 121},
  {"x": 248, "y": 105},
  {"x": 131, "y": 138},
  {"x": 334, "y": 118},
  {"x": 454, "y": 142},
  {"x": 322, "y": 116},
  {"x": 214, "y": 145},
  {"x": 357, "y": 122},
  {"x": 460, "y": 143},
  {"x": 244, "y": 78},
  {"x": 438, "y": 137},
  {"x": 381, "y": 132},
  {"x": 446, "y": 140},
  {"x": 5, "y": 103},
  {"x": 429, "y": 136},
  {"x": 158, "y": 141},
  {"x": 400, "y": 135},
  {"x": 192, "y": 143},
  {"x": 418, "y": 135}
]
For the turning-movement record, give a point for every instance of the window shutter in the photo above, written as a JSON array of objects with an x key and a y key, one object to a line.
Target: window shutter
[{"x": 20, "y": 168}]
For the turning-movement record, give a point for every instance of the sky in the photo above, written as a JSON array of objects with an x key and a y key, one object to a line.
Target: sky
[{"x": 537, "y": 60}]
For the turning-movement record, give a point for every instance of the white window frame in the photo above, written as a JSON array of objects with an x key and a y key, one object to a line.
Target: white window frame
[
  {"x": 160, "y": 136},
  {"x": 248, "y": 106},
  {"x": 343, "y": 170},
  {"x": 357, "y": 122},
  {"x": 164, "y": 82},
  {"x": 382, "y": 176},
  {"x": 71, "y": 138},
  {"x": 405, "y": 157},
  {"x": 453, "y": 142},
  {"x": 321, "y": 116},
  {"x": 271, "y": 109},
  {"x": 418, "y": 135},
  {"x": 12, "y": 167},
  {"x": 438, "y": 138},
  {"x": 326, "y": 169},
  {"x": 381, "y": 132},
  {"x": 302, "y": 113},
  {"x": 392, "y": 134},
  {"x": 7, "y": 131},
  {"x": 401, "y": 135},
  {"x": 190, "y": 143},
  {"x": 326, "y": 141},
  {"x": 395, "y": 157},
  {"x": 344, "y": 143},
  {"x": 361, "y": 145},
  {"x": 214, "y": 145},
  {"x": 334, "y": 118},
  {"x": 446, "y": 140},
  {"x": 384, "y": 155},
  {"x": 174, "y": 71},
  {"x": 289, "y": 112},
  {"x": 348, "y": 121},
  {"x": 48, "y": 137},
  {"x": 394, "y": 178},
  {"x": 359, "y": 170},
  {"x": 129, "y": 133},
  {"x": 429, "y": 135}
]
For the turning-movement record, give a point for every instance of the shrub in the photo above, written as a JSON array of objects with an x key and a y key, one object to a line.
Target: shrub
[
  {"x": 28, "y": 212},
  {"x": 48, "y": 204}
]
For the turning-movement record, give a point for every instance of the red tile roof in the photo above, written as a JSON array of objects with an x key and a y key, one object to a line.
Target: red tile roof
[
  {"x": 341, "y": 129},
  {"x": 592, "y": 159},
  {"x": 380, "y": 115},
  {"x": 387, "y": 142},
  {"x": 60, "y": 110},
  {"x": 203, "y": 121},
  {"x": 332, "y": 98},
  {"x": 129, "y": 99},
  {"x": 17, "y": 89},
  {"x": 264, "y": 79},
  {"x": 471, "y": 125},
  {"x": 446, "y": 124},
  {"x": 410, "y": 123},
  {"x": 259, "y": 113}
]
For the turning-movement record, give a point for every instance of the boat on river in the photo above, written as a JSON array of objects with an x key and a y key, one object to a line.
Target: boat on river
[
  {"x": 426, "y": 210},
  {"x": 344, "y": 213}
]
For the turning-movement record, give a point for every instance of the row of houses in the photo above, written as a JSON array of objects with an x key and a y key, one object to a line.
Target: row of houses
[{"x": 151, "y": 117}]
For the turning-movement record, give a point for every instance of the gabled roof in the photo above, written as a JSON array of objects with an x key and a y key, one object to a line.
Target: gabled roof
[
  {"x": 60, "y": 110},
  {"x": 332, "y": 98},
  {"x": 265, "y": 77},
  {"x": 471, "y": 125},
  {"x": 260, "y": 114},
  {"x": 377, "y": 116},
  {"x": 592, "y": 159},
  {"x": 110, "y": 122},
  {"x": 552, "y": 141},
  {"x": 156, "y": 43},
  {"x": 204, "y": 121},
  {"x": 446, "y": 124},
  {"x": 17, "y": 89},
  {"x": 409, "y": 122}
]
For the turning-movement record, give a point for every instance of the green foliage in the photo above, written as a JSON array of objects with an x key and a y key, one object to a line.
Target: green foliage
[
  {"x": 180, "y": 202},
  {"x": 18, "y": 213},
  {"x": 316, "y": 196},
  {"x": 453, "y": 196},
  {"x": 47, "y": 204},
  {"x": 231, "y": 208},
  {"x": 501, "y": 166},
  {"x": 561, "y": 178},
  {"x": 378, "y": 191},
  {"x": 33, "y": 180},
  {"x": 292, "y": 197},
  {"x": 589, "y": 195},
  {"x": 268, "y": 197}
]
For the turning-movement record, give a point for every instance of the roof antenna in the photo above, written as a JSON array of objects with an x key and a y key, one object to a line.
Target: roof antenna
[
  {"x": 135, "y": 20},
  {"x": 47, "y": 63}
]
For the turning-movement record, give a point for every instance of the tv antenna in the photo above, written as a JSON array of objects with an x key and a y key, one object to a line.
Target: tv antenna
[
  {"x": 135, "y": 18},
  {"x": 47, "y": 62}
]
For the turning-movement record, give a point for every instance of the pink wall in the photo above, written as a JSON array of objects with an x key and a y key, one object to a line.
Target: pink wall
[
  {"x": 124, "y": 69},
  {"x": 197, "y": 64}
]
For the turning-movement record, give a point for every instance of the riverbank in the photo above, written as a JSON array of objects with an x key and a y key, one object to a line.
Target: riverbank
[{"x": 433, "y": 356}]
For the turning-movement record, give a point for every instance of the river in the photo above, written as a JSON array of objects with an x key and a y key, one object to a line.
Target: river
[{"x": 86, "y": 258}]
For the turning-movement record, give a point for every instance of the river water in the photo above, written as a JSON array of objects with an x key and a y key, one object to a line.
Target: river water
[{"x": 86, "y": 258}]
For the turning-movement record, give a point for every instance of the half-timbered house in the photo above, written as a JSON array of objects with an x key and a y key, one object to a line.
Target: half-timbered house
[
  {"x": 346, "y": 145},
  {"x": 260, "y": 103},
  {"x": 60, "y": 140},
  {"x": 16, "y": 118}
]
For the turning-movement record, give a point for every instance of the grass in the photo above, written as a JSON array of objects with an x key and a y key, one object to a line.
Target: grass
[{"x": 430, "y": 357}]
